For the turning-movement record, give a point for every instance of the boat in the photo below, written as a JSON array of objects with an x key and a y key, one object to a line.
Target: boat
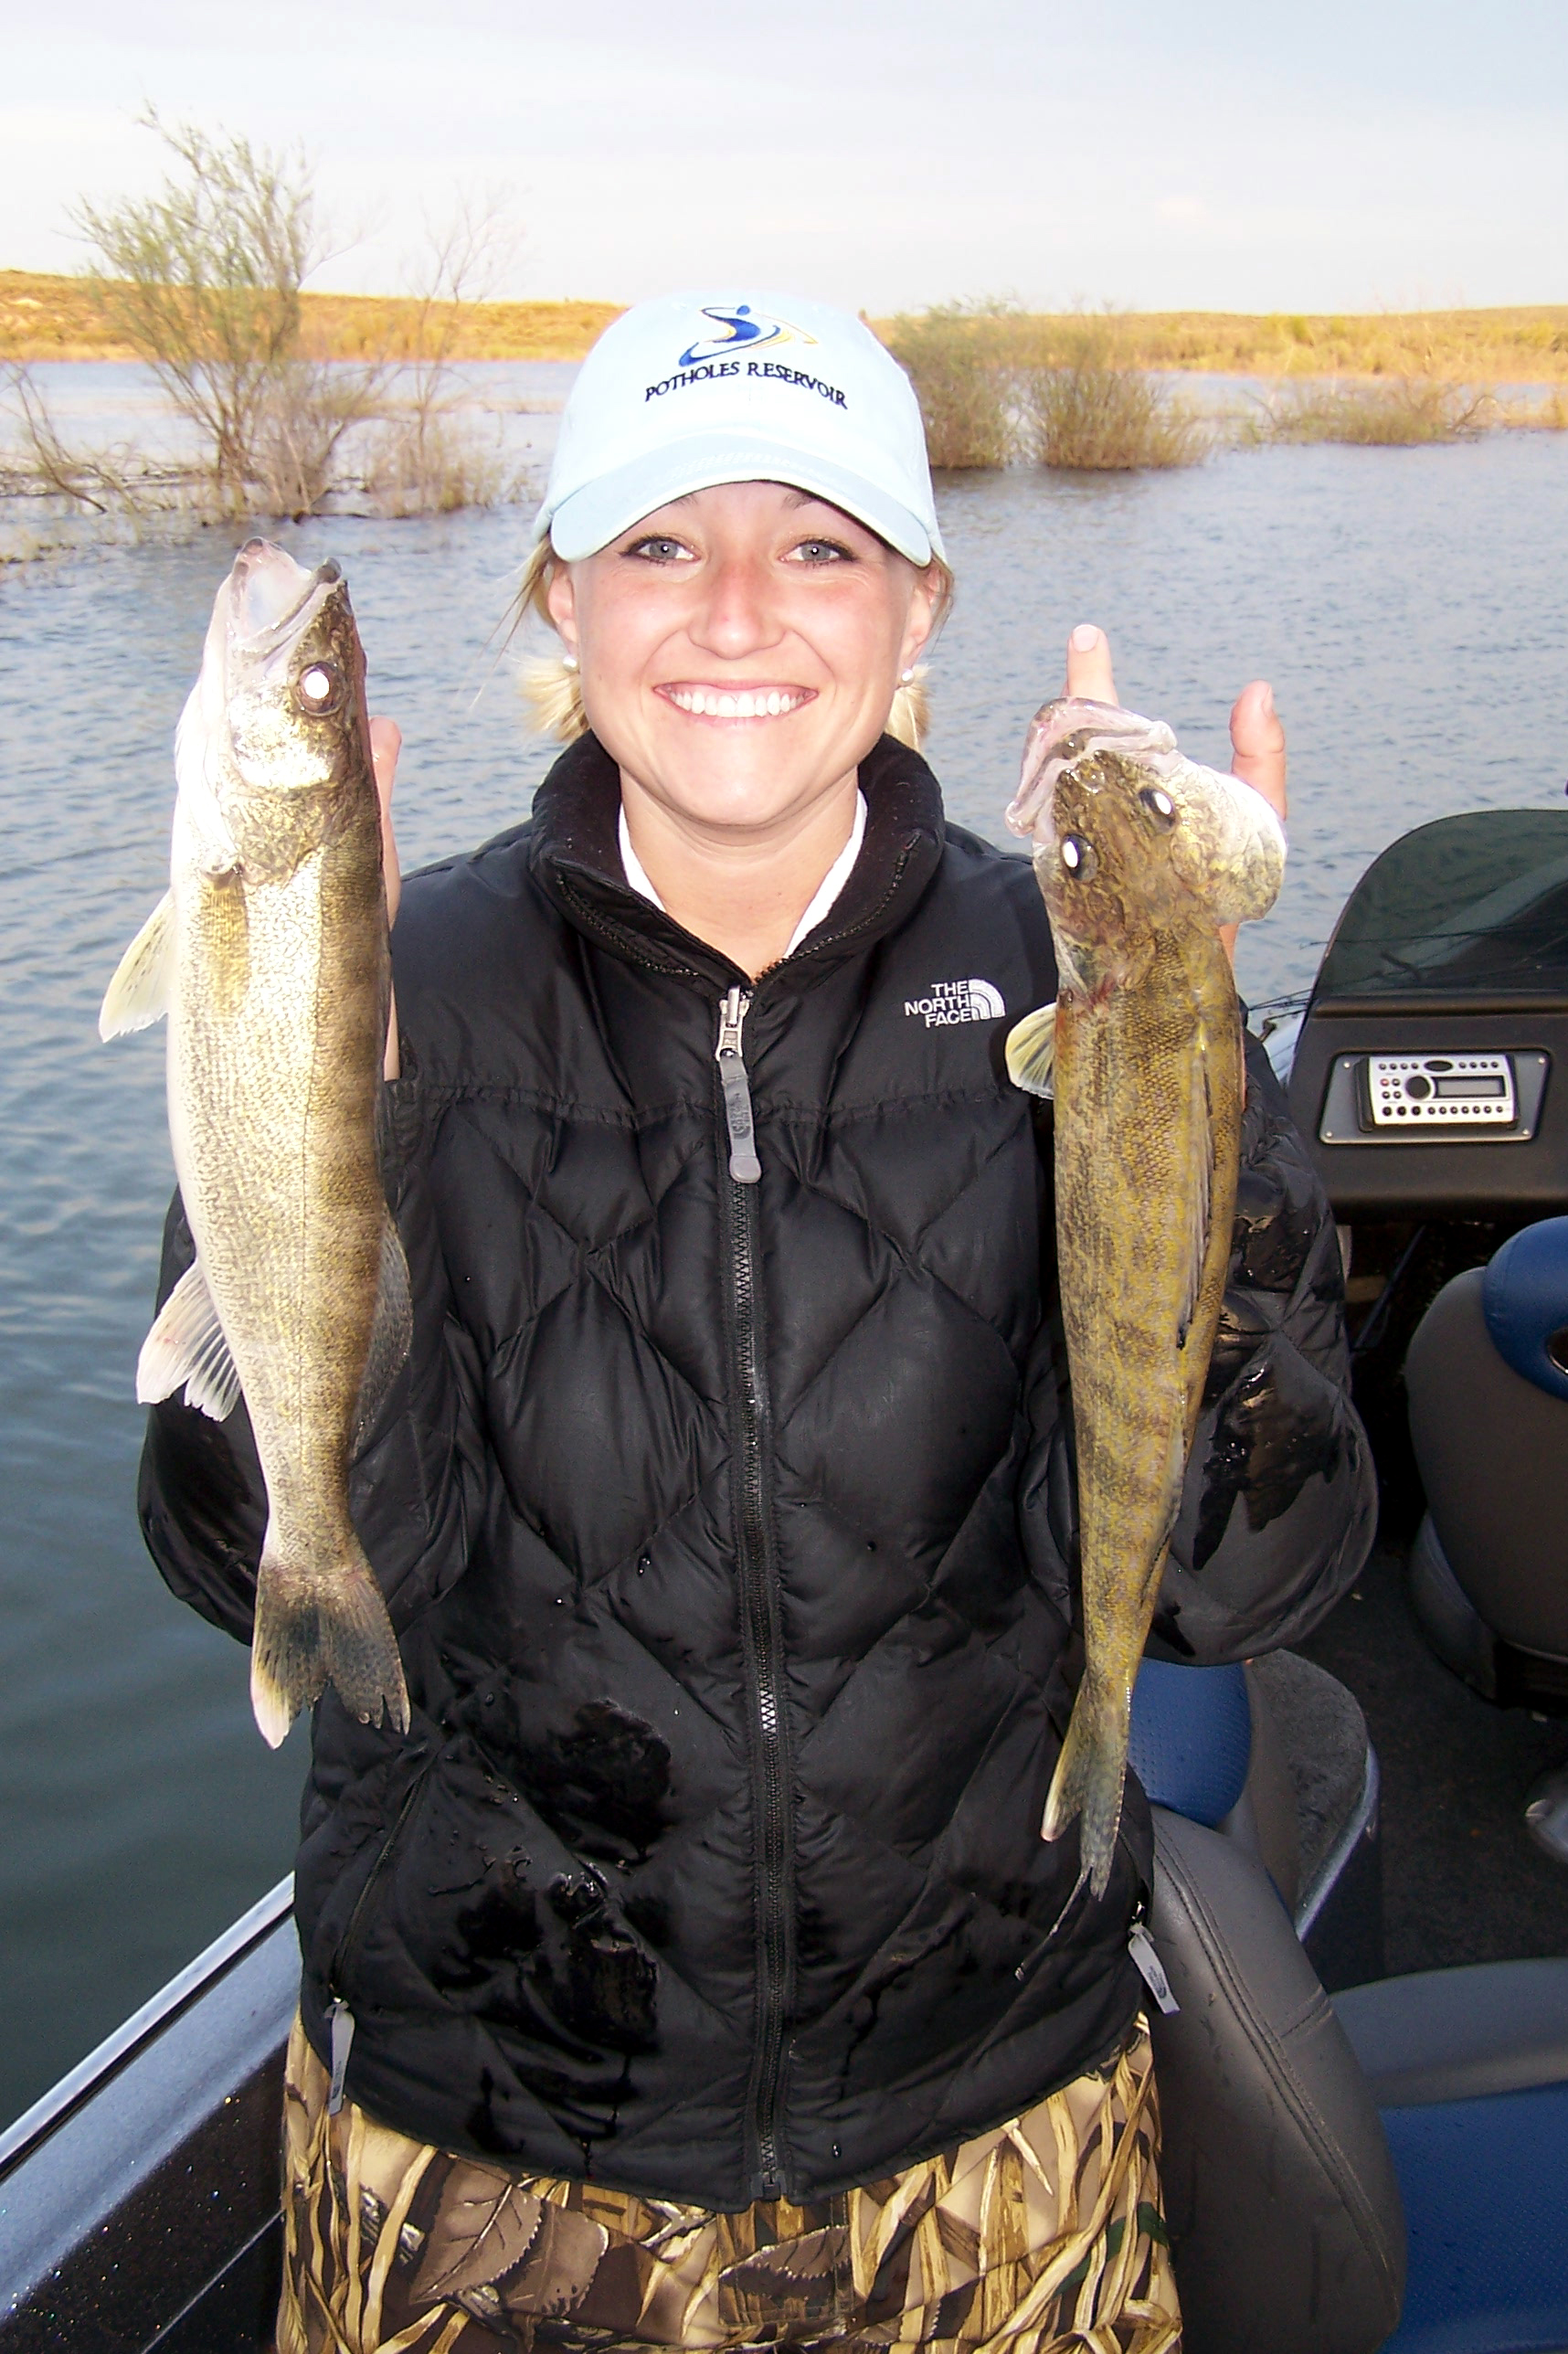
[{"x": 1354, "y": 2159}]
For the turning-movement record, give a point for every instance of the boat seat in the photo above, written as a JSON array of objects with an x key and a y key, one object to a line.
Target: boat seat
[
  {"x": 1470, "y": 2069},
  {"x": 1276, "y": 1757},
  {"x": 1460, "y": 2034},
  {"x": 1488, "y": 1420},
  {"x": 1286, "y": 2223},
  {"x": 1524, "y": 1299}
]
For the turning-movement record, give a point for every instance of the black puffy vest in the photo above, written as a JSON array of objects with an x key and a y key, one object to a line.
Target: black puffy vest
[{"x": 722, "y": 1534}]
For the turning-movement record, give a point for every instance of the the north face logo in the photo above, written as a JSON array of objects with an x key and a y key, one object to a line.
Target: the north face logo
[{"x": 957, "y": 1001}]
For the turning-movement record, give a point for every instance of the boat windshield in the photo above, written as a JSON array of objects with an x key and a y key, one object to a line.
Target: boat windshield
[{"x": 1475, "y": 906}]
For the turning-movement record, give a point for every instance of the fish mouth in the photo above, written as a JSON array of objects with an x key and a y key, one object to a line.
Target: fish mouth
[
  {"x": 1060, "y": 734},
  {"x": 271, "y": 597}
]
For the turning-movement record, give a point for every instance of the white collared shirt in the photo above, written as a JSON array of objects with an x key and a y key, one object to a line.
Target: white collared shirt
[{"x": 826, "y": 892}]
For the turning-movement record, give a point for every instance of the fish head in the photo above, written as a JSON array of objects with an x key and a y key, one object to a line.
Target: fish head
[
  {"x": 288, "y": 672},
  {"x": 1130, "y": 838}
]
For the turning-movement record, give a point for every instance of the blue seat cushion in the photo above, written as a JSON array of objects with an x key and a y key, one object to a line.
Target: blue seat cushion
[
  {"x": 1487, "y": 2213},
  {"x": 1524, "y": 1299},
  {"x": 1191, "y": 1738}
]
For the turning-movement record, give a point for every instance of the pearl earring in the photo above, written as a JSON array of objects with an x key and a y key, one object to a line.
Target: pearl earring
[
  {"x": 905, "y": 678},
  {"x": 569, "y": 662}
]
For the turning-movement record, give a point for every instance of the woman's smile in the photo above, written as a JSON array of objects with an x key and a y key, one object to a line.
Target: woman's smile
[{"x": 708, "y": 702}]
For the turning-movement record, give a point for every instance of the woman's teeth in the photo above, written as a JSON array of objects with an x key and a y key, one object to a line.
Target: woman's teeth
[{"x": 760, "y": 703}]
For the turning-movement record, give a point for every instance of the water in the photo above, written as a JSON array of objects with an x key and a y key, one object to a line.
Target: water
[{"x": 1404, "y": 604}]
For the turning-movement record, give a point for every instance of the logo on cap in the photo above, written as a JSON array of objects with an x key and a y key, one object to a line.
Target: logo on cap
[{"x": 744, "y": 329}]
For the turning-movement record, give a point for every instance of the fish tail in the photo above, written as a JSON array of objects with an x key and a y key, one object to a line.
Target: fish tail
[
  {"x": 1086, "y": 1787},
  {"x": 315, "y": 1628}
]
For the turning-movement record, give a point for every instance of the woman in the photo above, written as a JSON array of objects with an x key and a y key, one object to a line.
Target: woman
[{"x": 694, "y": 1973}]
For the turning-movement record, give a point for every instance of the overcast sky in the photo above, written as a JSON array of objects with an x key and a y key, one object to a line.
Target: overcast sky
[{"x": 1238, "y": 154}]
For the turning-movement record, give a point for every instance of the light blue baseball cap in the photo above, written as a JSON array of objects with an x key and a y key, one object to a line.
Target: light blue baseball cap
[{"x": 689, "y": 390}]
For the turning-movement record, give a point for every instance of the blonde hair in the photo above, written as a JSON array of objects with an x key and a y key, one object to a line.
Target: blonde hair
[{"x": 553, "y": 691}]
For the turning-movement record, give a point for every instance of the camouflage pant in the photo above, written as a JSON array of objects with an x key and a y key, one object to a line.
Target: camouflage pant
[{"x": 1044, "y": 2234}]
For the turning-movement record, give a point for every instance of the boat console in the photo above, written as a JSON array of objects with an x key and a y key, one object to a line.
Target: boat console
[{"x": 1423, "y": 1076}]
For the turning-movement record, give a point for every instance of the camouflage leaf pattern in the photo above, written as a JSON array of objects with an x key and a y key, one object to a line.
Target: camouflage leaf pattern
[{"x": 1043, "y": 2235}]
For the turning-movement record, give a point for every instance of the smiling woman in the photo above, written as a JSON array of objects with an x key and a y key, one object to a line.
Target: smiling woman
[
  {"x": 739, "y": 652},
  {"x": 694, "y": 1972}
]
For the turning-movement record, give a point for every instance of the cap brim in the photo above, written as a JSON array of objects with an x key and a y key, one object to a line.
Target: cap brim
[{"x": 587, "y": 520}]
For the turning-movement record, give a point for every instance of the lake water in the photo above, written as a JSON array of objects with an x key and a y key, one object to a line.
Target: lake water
[{"x": 1407, "y": 605}]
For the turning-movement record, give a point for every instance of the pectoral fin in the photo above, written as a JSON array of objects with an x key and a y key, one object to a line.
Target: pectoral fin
[
  {"x": 139, "y": 993},
  {"x": 186, "y": 1344},
  {"x": 390, "y": 1333},
  {"x": 1032, "y": 1052}
]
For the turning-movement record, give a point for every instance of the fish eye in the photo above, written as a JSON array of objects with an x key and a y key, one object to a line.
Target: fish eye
[
  {"x": 1078, "y": 857},
  {"x": 318, "y": 691},
  {"x": 1158, "y": 805}
]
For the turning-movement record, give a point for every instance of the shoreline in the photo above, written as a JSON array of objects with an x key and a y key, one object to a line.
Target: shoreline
[{"x": 45, "y": 318}]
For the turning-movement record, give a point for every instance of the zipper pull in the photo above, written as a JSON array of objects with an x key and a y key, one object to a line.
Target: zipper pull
[
  {"x": 1151, "y": 1969},
  {"x": 341, "y": 2019},
  {"x": 744, "y": 1164}
]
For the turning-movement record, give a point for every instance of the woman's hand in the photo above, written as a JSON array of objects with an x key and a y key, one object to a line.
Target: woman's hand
[
  {"x": 1257, "y": 738},
  {"x": 385, "y": 743}
]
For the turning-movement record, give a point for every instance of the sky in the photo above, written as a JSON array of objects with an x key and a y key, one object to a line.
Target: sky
[{"x": 1152, "y": 155}]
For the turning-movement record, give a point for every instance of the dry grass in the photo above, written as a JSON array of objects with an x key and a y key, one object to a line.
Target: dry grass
[
  {"x": 997, "y": 387},
  {"x": 1084, "y": 410},
  {"x": 432, "y": 464},
  {"x": 1403, "y": 414},
  {"x": 1514, "y": 346},
  {"x": 1545, "y": 416},
  {"x": 346, "y": 326},
  {"x": 56, "y": 318},
  {"x": 957, "y": 358},
  {"x": 44, "y": 318}
]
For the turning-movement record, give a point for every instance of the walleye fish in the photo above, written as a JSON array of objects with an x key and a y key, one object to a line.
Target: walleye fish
[
  {"x": 1139, "y": 855},
  {"x": 269, "y": 957}
]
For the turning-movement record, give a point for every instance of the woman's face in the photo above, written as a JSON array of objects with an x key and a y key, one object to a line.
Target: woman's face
[{"x": 739, "y": 649}]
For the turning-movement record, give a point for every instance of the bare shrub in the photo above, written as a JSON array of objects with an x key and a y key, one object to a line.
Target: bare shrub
[
  {"x": 45, "y": 468},
  {"x": 1399, "y": 413},
  {"x": 295, "y": 461},
  {"x": 1547, "y": 415},
  {"x": 955, "y": 356},
  {"x": 202, "y": 281},
  {"x": 1084, "y": 410},
  {"x": 429, "y": 459},
  {"x": 433, "y": 464},
  {"x": 107, "y": 480}
]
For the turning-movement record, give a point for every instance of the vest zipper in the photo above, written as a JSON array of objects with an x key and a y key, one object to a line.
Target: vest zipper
[
  {"x": 761, "y": 1626},
  {"x": 340, "y": 2019},
  {"x": 744, "y": 1164}
]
